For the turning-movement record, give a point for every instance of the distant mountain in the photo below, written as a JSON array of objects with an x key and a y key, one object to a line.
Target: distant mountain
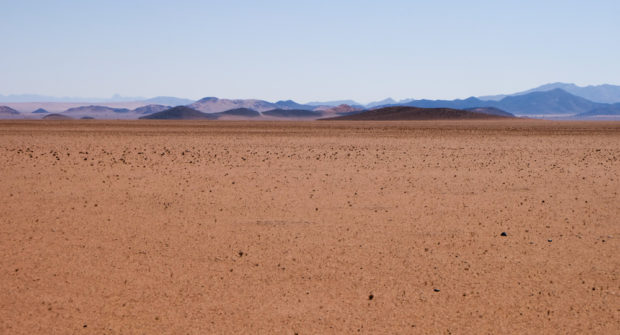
[
  {"x": 455, "y": 104},
  {"x": 40, "y": 111},
  {"x": 95, "y": 109},
  {"x": 398, "y": 113},
  {"x": 334, "y": 103},
  {"x": 150, "y": 109},
  {"x": 290, "y": 104},
  {"x": 599, "y": 93},
  {"x": 57, "y": 116},
  {"x": 215, "y": 105},
  {"x": 169, "y": 101},
  {"x": 239, "y": 113},
  {"x": 338, "y": 110},
  {"x": 99, "y": 112},
  {"x": 180, "y": 113},
  {"x": 8, "y": 112},
  {"x": 293, "y": 113},
  {"x": 384, "y": 102},
  {"x": 388, "y": 101},
  {"x": 554, "y": 102}
]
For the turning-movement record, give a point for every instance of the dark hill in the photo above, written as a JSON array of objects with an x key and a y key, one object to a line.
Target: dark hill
[
  {"x": 9, "y": 113},
  {"x": 57, "y": 117},
  {"x": 241, "y": 112},
  {"x": 94, "y": 110},
  {"x": 414, "y": 113},
  {"x": 179, "y": 113},
  {"x": 293, "y": 113},
  {"x": 40, "y": 111}
]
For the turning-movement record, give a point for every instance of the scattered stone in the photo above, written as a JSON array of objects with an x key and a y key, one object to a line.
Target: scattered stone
[
  {"x": 436, "y": 289},
  {"x": 503, "y": 234},
  {"x": 370, "y": 297},
  {"x": 240, "y": 253},
  {"x": 549, "y": 241}
]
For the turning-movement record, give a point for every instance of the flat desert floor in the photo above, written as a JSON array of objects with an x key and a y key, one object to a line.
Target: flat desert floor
[{"x": 122, "y": 227}]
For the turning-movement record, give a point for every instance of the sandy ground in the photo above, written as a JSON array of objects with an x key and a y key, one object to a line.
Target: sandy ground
[{"x": 309, "y": 228}]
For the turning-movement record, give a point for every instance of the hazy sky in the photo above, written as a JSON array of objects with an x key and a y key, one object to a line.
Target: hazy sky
[{"x": 305, "y": 50}]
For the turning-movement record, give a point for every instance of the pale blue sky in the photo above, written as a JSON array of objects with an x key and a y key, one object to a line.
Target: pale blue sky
[{"x": 305, "y": 50}]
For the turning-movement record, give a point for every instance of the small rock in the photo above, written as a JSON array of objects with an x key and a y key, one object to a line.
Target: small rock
[
  {"x": 503, "y": 234},
  {"x": 436, "y": 290},
  {"x": 370, "y": 297}
]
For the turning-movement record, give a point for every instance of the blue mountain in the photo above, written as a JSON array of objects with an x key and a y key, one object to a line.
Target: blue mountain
[
  {"x": 554, "y": 102},
  {"x": 597, "y": 93}
]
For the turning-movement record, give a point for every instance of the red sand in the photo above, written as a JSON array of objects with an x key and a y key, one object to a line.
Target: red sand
[{"x": 274, "y": 227}]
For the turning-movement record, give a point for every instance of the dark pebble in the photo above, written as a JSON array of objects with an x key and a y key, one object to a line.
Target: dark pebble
[
  {"x": 436, "y": 289},
  {"x": 370, "y": 297},
  {"x": 549, "y": 240},
  {"x": 503, "y": 234}
]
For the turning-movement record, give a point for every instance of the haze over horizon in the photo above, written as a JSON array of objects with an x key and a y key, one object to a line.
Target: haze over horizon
[{"x": 306, "y": 50}]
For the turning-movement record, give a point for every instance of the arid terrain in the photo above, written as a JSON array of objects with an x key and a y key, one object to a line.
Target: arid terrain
[{"x": 214, "y": 227}]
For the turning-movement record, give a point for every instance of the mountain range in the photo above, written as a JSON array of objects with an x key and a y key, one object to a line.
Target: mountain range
[
  {"x": 554, "y": 103},
  {"x": 188, "y": 113},
  {"x": 547, "y": 101},
  {"x": 216, "y": 105},
  {"x": 599, "y": 93}
]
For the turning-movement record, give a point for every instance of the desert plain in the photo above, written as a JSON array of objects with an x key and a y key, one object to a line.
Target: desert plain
[{"x": 221, "y": 227}]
